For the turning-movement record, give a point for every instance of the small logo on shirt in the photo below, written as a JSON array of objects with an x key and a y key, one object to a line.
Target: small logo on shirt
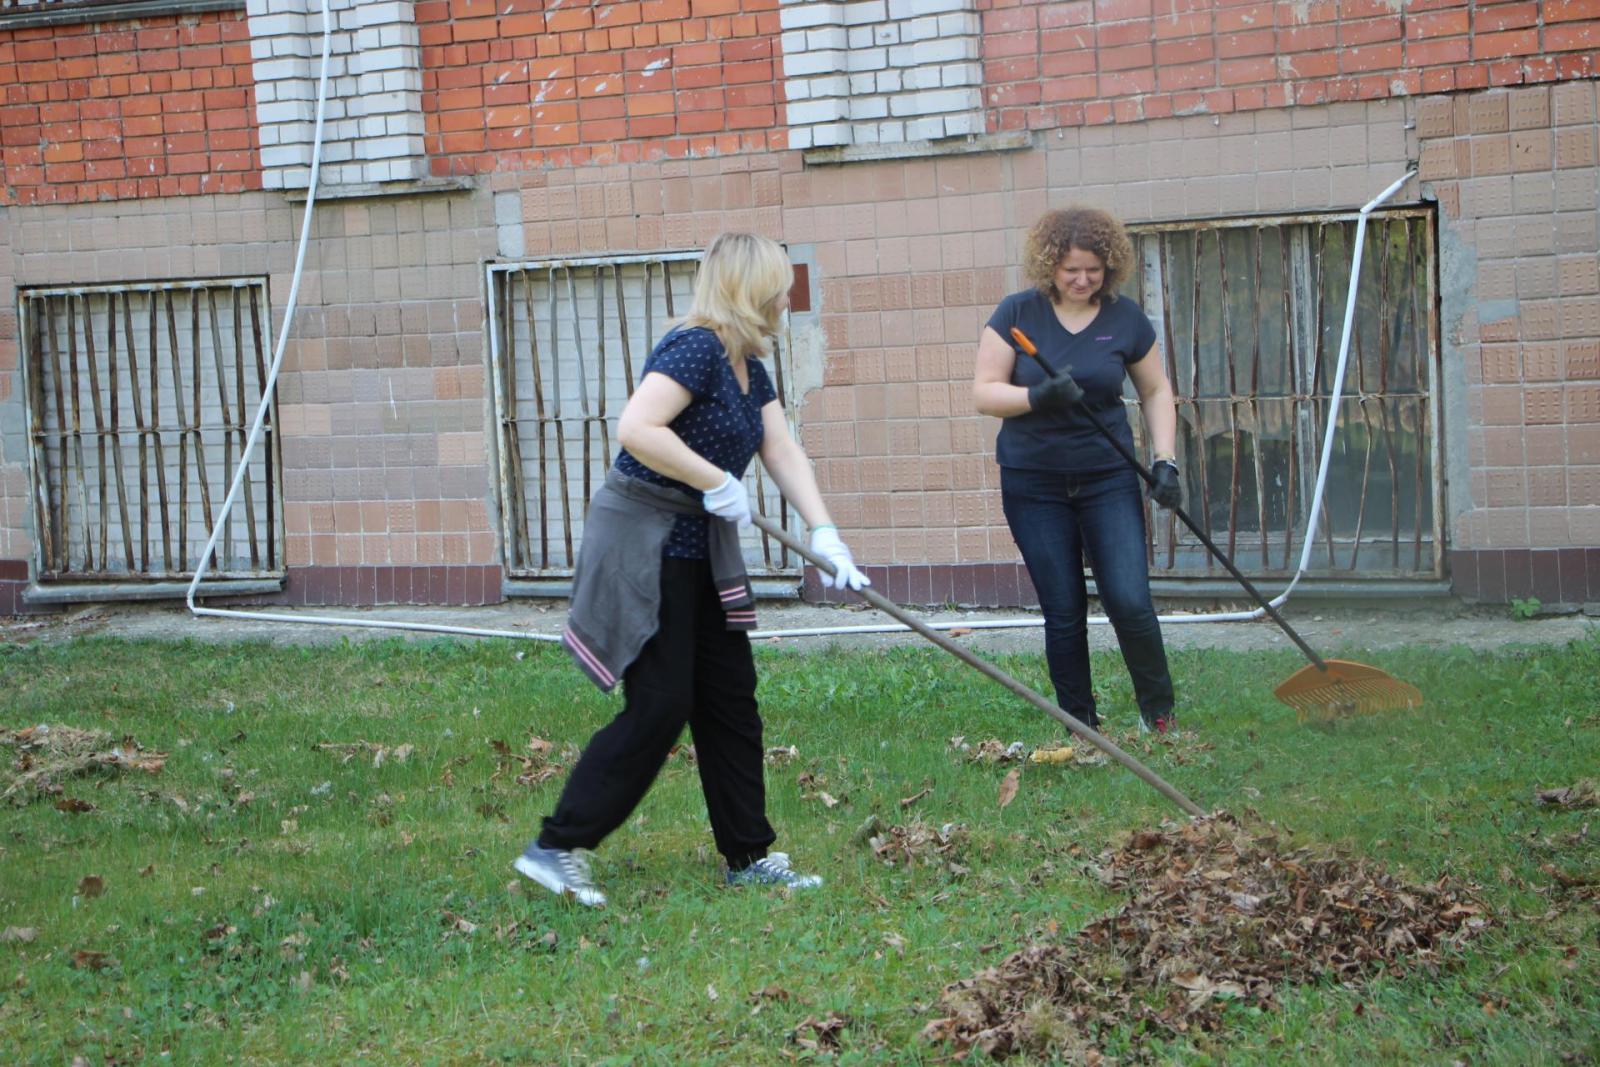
[{"x": 1107, "y": 337}]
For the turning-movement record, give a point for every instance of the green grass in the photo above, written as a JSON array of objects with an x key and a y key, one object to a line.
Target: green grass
[{"x": 342, "y": 873}]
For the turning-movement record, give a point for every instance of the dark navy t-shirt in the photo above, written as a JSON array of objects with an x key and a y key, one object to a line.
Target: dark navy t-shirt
[
  {"x": 721, "y": 423},
  {"x": 1097, "y": 356}
]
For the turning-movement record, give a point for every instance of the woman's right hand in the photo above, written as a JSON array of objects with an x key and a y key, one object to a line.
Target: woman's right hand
[{"x": 729, "y": 501}]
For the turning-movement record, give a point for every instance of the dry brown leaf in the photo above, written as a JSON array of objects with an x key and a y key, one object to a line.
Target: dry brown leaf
[
  {"x": 19, "y": 935},
  {"x": 906, "y": 802},
  {"x": 91, "y": 885},
  {"x": 89, "y": 960},
  {"x": 1008, "y": 787}
]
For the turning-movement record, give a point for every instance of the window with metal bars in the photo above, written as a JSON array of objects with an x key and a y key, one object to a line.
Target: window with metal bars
[
  {"x": 139, "y": 400},
  {"x": 1250, "y": 314},
  {"x": 569, "y": 338}
]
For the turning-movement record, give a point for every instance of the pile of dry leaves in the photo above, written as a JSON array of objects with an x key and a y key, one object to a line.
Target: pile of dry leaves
[
  {"x": 47, "y": 755},
  {"x": 1217, "y": 911}
]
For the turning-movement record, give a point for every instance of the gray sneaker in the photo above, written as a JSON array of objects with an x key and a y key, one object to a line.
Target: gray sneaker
[
  {"x": 562, "y": 872},
  {"x": 773, "y": 869}
]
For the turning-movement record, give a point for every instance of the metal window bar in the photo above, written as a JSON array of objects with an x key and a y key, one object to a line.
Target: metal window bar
[
  {"x": 168, "y": 372},
  {"x": 1249, "y": 314},
  {"x": 570, "y": 339}
]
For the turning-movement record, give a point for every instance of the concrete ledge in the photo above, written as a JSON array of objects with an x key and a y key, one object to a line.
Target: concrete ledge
[
  {"x": 96, "y": 592},
  {"x": 23, "y": 17},
  {"x": 372, "y": 190},
  {"x": 961, "y": 145}
]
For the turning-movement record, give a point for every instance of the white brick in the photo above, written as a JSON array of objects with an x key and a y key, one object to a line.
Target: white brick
[
  {"x": 863, "y": 84},
  {"x": 905, "y": 9},
  {"x": 793, "y": 41},
  {"x": 814, "y": 111},
  {"x": 277, "y": 69},
  {"x": 919, "y": 29},
  {"x": 920, "y": 78},
  {"x": 374, "y": 14},
  {"x": 867, "y": 59},
  {"x": 864, "y": 133},
  {"x": 277, "y": 25},
  {"x": 929, "y": 129},
  {"x": 891, "y": 132},
  {"x": 869, "y": 107},
  {"x": 968, "y": 122},
  {"x": 965, "y": 24},
  {"x": 944, "y": 50},
  {"x": 861, "y": 14},
  {"x": 284, "y": 155},
  {"x": 814, "y": 63},
  {"x": 285, "y": 111},
  {"x": 886, "y": 34},
  {"x": 961, "y": 74},
  {"x": 828, "y": 85},
  {"x": 827, "y": 37},
  {"x": 803, "y": 16},
  {"x": 800, "y": 137},
  {"x": 831, "y": 134},
  {"x": 890, "y": 81},
  {"x": 860, "y": 37}
]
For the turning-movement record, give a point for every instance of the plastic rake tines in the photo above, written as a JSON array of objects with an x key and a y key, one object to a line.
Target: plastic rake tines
[{"x": 1344, "y": 688}]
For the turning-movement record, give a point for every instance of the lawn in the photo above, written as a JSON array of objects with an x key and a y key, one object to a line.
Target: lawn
[{"x": 267, "y": 899}]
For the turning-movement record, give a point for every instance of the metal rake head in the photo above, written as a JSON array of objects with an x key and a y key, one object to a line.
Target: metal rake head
[{"x": 1344, "y": 689}]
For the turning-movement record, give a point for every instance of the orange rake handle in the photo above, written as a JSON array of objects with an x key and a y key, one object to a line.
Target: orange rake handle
[{"x": 1026, "y": 345}]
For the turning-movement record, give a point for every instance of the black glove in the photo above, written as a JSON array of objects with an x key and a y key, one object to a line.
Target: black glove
[
  {"x": 1056, "y": 395},
  {"x": 1165, "y": 488}
]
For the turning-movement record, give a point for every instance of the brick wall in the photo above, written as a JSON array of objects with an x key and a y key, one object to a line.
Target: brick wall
[
  {"x": 1516, "y": 173},
  {"x": 1048, "y": 63},
  {"x": 513, "y": 85},
  {"x": 118, "y": 110}
]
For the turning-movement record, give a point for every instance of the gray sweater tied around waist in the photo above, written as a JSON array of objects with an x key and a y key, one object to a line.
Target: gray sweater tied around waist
[{"x": 616, "y": 587}]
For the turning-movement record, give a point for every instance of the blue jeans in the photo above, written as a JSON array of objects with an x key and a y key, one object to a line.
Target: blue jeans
[{"x": 1057, "y": 519}]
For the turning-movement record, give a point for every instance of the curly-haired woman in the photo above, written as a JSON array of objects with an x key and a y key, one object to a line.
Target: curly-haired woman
[{"x": 1067, "y": 494}]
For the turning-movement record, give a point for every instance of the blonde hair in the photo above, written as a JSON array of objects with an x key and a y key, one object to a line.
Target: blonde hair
[
  {"x": 736, "y": 293},
  {"x": 1088, "y": 229}
]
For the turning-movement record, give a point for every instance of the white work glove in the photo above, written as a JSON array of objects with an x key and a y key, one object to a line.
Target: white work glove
[
  {"x": 729, "y": 501},
  {"x": 825, "y": 543}
]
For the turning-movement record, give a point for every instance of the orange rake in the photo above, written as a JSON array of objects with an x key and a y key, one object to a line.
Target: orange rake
[{"x": 1328, "y": 688}]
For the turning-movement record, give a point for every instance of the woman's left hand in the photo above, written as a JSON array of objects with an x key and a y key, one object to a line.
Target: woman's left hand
[
  {"x": 825, "y": 542},
  {"x": 1166, "y": 489}
]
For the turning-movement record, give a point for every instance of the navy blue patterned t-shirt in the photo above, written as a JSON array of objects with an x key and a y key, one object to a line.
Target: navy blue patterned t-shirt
[
  {"x": 1098, "y": 357},
  {"x": 722, "y": 422}
]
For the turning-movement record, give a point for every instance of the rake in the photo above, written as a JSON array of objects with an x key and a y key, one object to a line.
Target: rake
[
  {"x": 899, "y": 614},
  {"x": 1328, "y": 688}
]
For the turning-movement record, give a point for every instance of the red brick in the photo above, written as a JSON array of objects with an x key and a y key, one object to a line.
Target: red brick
[
  {"x": 1500, "y": 45},
  {"x": 1001, "y": 45},
  {"x": 1170, "y": 77},
  {"x": 1254, "y": 43},
  {"x": 1371, "y": 57},
  {"x": 1487, "y": 19},
  {"x": 1437, "y": 24},
  {"x": 1242, "y": 71},
  {"x": 1572, "y": 37},
  {"x": 1437, "y": 52}
]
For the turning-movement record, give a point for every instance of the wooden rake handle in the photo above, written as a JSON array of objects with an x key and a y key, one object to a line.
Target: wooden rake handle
[{"x": 893, "y": 610}]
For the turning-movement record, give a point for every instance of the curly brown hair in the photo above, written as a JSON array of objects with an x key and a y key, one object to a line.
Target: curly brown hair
[{"x": 1087, "y": 229}]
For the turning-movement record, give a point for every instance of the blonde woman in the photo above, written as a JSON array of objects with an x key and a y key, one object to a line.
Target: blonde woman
[
  {"x": 1066, "y": 492},
  {"x": 660, "y": 600}
]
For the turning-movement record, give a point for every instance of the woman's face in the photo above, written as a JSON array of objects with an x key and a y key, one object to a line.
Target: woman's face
[{"x": 1079, "y": 275}]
